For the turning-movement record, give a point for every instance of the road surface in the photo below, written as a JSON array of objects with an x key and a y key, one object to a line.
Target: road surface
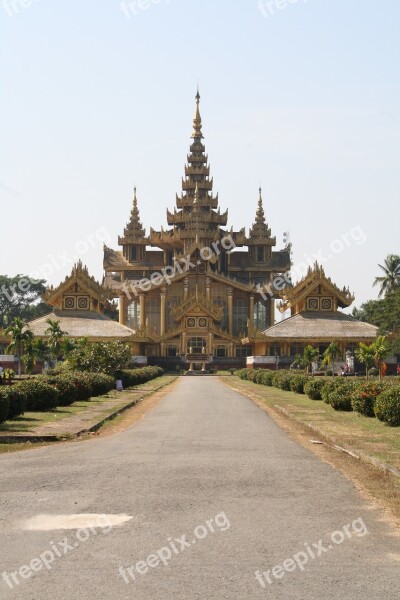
[{"x": 214, "y": 501}]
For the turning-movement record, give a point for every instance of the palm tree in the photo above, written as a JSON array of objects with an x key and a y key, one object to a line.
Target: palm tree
[
  {"x": 309, "y": 357},
  {"x": 67, "y": 346},
  {"x": 55, "y": 336},
  {"x": 390, "y": 280},
  {"x": 366, "y": 355},
  {"x": 21, "y": 336},
  {"x": 29, "y": 358},
  {"x": 331, "y": 353},
  {"x": 380, "y": 352},
  {"x": 41, "y": 350}
]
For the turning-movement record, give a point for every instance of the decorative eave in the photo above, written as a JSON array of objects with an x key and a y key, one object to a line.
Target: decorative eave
[
  {"x": 314, "y": 278},
  {"x": 197, "y": 303},
  {"x": 79, "y": 275}
]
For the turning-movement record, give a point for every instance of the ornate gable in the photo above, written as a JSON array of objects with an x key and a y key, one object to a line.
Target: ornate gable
[
  {"x": 315, "y": 292},
  {"x": 79, "y": 291}
]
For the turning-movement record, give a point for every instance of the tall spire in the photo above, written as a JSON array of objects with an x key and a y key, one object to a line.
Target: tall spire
[
  {"x": 197, "y": 119},
  {"x": 260, "y": 216},
  {"x": 134, "y": 228},
  {"x": 260, "y": 228}
]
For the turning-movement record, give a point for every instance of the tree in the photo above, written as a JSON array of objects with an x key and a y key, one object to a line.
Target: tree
[
  {"x": 20, "y": 297},
  {"x": 390, "y": 280},
  {"x": 381, "y": 350},
  {"x": 29, "y": 358},
  {"x": 384, "y": 313},
  {"x": 41, "y": 349},
  {"x": 67, "y": 346},
  {"x": 331, "y": 353},
  {"x": 366, "y": 355},
  {"x": 309, "y": 357},
  {"x": 21, "y": 336},
  {"x": 55, "y": 336},
  {"x": 100, "y": 357}
]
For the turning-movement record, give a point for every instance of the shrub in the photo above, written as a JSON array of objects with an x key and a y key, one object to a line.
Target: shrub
[
  {"x": 373, "y": 372},
  {"x": 387, "y": 406},
  {"x": 267, "y": 377},
  {"x": 17, "y": 400},
  {"x": 81, "y": 383},
  {"x": 281, "y": 380},
  {"x": 313, "y": 388},
  {"x": 297, "y": 383},
  {"x": 259, "y": 376},
  {"x": 337, "y": 393},
  {"x": 242, "y": 373},
  {"x": 363, "y": 397},
  {"x": 66, "y": 388},
  {"x": 40, "y": 395},
  {"x": 4, "y": 406},
  {"x": 252, "y": 374},
  {"x": 100, "y": 383},
  {"x": 131, "y": 377}
]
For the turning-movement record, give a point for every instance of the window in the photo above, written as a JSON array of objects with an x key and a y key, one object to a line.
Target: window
[
  {"x": 133, "y": 256},
  {"x": 220, "y": 351},
  {"x": 195, "y": 345},
  {"x": 275, "y": 350},
  {"x": 240, "y": 316},
  {"x": 134, "y": 315},
  {"x": 260, "y": 315},
  {"x": 243, "y": 351},
  {"x": 296, "y": 349},
  {"x": 153, "y": 313},
  {"x": 260, "y": 254}
]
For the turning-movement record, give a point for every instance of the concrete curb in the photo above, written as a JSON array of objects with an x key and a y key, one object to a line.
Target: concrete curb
[
  {"x": 15, "y": 439},
  {"x": 333, "y": 442}
]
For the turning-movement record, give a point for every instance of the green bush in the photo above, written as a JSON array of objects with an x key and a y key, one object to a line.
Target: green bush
[
  {"x": 259, "y": 376},
  {"x": 281, "y": 380},
  {"x": 132, "y": 377},
  {"x": 297, "y": 383},
  {"x": 387, "y": 406},
  {"x": 81, "y": 383},
  {"x": 373, "y": 372},
  {"x": 267, "y": 377},
  {"x": 364, "y": 395},
  {"x": 66, "y": 388},
  {"x": 242, "y": 373},
  {"x": 337, "y": 392},
  {"x": 40, "y": 395},
  {"x": 4, "y": 406},
  {"x": 17, "y": 400},
  {"x": 313, "y": 388},
  {"x": 101, "y": 384},
  {"x": 252, "y": 374}
]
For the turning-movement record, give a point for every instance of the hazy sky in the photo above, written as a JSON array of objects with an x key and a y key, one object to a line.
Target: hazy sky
[{"x": 300, "y": 96}]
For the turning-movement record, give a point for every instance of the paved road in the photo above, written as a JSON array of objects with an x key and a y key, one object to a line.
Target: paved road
[{"x": 216, "y": 491}]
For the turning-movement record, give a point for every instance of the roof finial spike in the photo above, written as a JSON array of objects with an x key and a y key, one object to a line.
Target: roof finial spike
[{"x": 197, "y": 118}]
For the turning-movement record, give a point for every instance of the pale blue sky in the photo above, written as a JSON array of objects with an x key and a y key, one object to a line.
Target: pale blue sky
[{"x": 304, "y": 100}]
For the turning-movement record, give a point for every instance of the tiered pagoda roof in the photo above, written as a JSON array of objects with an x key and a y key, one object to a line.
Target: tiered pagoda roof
[{"x": 134, "y": 232}]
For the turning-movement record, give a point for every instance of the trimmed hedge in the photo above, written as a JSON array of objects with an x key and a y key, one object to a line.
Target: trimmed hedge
[
  {"x": 40, "y": 395},
  {"x": 364, "y": 396},
  {"x": 297, "y": 383},
  {"x": 313, "y": 388},
  {"x": 46, "y": 392},
  {"x": 387, "y": 406},
  {"x": 131, "y": 377}
]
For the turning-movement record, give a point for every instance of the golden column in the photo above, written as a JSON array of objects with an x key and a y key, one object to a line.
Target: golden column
[
  {"x": 208, "y": 289},
  {"x": 230, "y": 310},
  {"x": 163, "y": 297},
  {"x": 185, "y": 289},
  {"x": 142, "y": 303},
  {"x": 123, "y": 309},
  {"x": 251, "y": 313}
]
